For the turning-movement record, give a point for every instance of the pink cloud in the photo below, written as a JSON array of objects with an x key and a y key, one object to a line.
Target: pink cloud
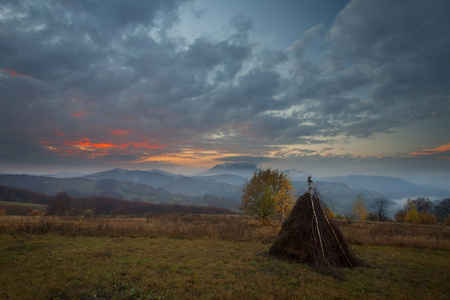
[
  {"x": 441, "y": 149},
  {"x": 14, "y": 73}
]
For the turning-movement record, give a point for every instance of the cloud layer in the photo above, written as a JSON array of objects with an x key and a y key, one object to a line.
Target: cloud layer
[{"x": 116, "y": 82}]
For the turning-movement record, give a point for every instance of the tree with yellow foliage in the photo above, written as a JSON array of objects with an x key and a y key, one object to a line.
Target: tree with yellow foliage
[
  {"x": 412, "y": 216},
  {"x": 268, "y": 193},
  {"x": 359, "y": 209},
  {"x": 446, "y": 221}
]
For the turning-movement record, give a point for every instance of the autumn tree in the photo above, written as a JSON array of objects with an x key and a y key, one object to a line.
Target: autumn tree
[
  {"x": 419, "y": 210},
  {"x": 359, "y": 209},
  {"x": 268, "y": 193},
  {"x": 401, "y": 213},
  {"x": 412, "y": 216}
]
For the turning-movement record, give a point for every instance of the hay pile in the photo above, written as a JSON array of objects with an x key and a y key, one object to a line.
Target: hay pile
[{"x": 309, "y": 236}]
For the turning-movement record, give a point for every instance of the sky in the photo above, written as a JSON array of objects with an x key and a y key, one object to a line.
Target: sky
[{"x": 325, "y": 87}]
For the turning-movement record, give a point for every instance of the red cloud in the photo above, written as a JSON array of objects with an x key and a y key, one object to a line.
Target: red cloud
[
  {"x": 440, "y": 149},
  {"x": 14, "y": 73},
  {"x": 87, "y": 145},
  {"x": 121, "y": 132},
  {"x": 147, "y": 145},
  {"x": 81, "y": 113}
]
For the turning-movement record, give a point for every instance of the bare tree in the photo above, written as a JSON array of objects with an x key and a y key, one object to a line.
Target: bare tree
[
  {"x": 442, "y": 210},
  {"x": 380, "y": 206},
  {"x": 59, "y": 205},
  {"x": 423, "y": 204}
]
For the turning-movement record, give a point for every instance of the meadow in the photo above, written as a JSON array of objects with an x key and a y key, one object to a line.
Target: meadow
[{"x": 209, "y": 257}]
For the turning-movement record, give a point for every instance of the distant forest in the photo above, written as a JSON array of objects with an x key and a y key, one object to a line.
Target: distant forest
[{"x": 63, "y": 204}]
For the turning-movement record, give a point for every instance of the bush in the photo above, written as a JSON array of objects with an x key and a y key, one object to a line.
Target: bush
[
  {"x": 412, "y": 216},
  {"x": 88, "y": 213},
  {"x": 427, "y": 218},
  {"x": 34, "y": 213},
  {"x": 446, "y": 221}
]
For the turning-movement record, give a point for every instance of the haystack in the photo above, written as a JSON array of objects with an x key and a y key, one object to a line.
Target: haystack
[{"x": 309, "y": 236}]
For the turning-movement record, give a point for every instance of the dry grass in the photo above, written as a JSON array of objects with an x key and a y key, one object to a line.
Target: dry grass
[
  {"x": 208, "y": 257},
  {"x": 52, "y": 266},
  {"x": 396, "y": 234},
  {"x": 224, "y": 227}
]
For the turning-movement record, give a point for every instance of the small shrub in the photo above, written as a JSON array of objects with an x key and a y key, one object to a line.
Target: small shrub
[
  {"x": 400, "y": 215},
  {"x": 446, "y": 221},
  {"x": 2, "y": 212},
  {"x": 88, "y": 213},
  {"x": 34, "y": 213},
  {"x": 427, "y": 218},
  {"x": 330, "y": 214}
]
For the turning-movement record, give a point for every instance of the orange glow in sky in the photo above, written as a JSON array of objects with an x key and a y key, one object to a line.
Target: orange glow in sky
[
  {"x": 80, "y": 114},
  {"x": 189, "y": 157},
  {"x": 440, "y": 149},
  {"x": 85, "y": 147},
  {"x": 121, "y": 132}
]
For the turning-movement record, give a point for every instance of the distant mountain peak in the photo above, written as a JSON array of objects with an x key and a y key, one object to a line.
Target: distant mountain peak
[
  {"x": 244, "y": 169},
  {"x": 392, "y": 187},
  {"x": 65, "y": 175},
  {"x": 235, "y": 165}
]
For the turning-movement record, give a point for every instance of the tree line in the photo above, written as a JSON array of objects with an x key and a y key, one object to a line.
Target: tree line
[
  {"x": 421, "y": 210},
  {"x": 64, "y": 204},
  {"x": 269, "y": 194}
]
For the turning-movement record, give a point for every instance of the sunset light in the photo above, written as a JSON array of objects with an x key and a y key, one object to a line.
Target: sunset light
[
  {"x": 440, "y": 149},
  {"x": 313, "y": 86},
  {"x": 444, "y": 149}
]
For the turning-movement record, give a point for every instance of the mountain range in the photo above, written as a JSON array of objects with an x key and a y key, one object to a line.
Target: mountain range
[
  {"x": 220, "y": 186},
  {"x": 392, "y": 187}
]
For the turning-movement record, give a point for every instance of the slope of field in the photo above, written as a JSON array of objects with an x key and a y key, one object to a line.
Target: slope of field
[{"x": 18, "y": 208}]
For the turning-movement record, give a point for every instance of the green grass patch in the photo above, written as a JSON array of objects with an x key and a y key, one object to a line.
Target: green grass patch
[
  {"x": 21, "y": 208},
  {"x": 52, "y": 266}
]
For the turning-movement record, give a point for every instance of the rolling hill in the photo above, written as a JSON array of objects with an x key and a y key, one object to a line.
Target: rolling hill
[
  {"x": 391, "y": 187},
  {"x": 220, "y": 190}
]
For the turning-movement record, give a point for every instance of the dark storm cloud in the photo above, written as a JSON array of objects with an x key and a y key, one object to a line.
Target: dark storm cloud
[
  {"x": 402, "y": 48},
  {"x": 393, "y": 55},
  {"x": 80, "y": 71}
]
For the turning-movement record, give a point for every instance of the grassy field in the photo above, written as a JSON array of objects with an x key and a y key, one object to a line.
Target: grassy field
[
  {"x": 18, "y": 207},
  {"x": 208, "y": 257}
]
